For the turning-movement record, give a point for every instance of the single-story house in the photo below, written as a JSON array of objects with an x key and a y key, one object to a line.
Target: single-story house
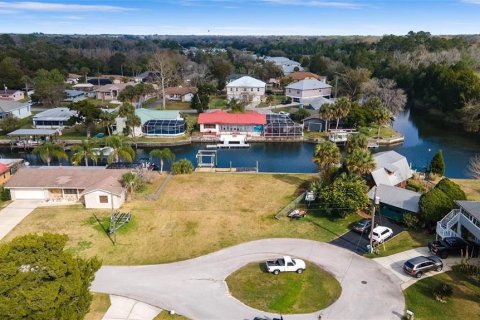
[
  {"x": 15, "y": 95},
  {"x": 184, "y": 94},
  {"x": 74, "y": 95},
  {"x": 391, "y": 169},
  {"x": 246, "y": 89},
  {"x": 156, "y": 123},
  {"x": 53, "y": 118},
  {"x": 14, "y": 108},
  {"x": 97, "y": 188},
  {"x": 8, "y": 167},
  {"x": 220, "y": 122},
  {"x": 110, "y": 92},
  {"x": 395, "y": 202},
  {"x": 73, "y": 78},
  {"x": 304, "y": 91},
  {"x": 288, "y": 66},
  {"x": 313, "y": 123},
  {"x": 463, "y": 222}
]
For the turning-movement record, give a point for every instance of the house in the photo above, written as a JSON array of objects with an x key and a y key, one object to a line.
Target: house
[
  {"x": 304, "y": 91},
  {"x": 463, "y": 222},
  {"x": 74, "y": 95},
  {"x": 288, "y": 66},
  {"x": 183, "y": 94},
  {"x": 156, "y": 123},
  {"x": 304, "y": 75},
  {"x": 15, "y": 109},
  {"x": 15, "y": 95},
  {"x": 73, "y": 78},
  {"x": 147, "y": 76},
  {"x": 246, "y": 89},
  {"x": 222, "y": 123},
  {"x": 53, "y": 118},
  {"x": 8, "y": 167},
  {"x": 235, "y": 76},
  {"x": 313, "y": 124},
  {"x": 395, "y": 202},
  {"x": 96, "y": 188},
  {"x": 110, "y": 92},
  {"x": 391, "y": 169}
]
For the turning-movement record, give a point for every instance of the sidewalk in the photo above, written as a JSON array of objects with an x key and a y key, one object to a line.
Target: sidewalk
[
  {"x": 122, "y": 308},
  {"x": 14, "y": 213}
]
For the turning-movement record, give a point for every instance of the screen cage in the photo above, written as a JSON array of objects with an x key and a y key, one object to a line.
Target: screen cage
[
  {"x": 164, "y": 127},
  {"x": 282, "y": 126}
]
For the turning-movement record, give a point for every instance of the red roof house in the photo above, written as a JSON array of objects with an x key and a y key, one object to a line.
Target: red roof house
[{"x": 221, "y": 117}]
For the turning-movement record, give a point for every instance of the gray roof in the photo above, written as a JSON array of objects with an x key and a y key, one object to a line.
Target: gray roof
[
  {"x": 317, "y": 102},
  {"x": 247, "y": 81},
  {"x": 472, "y": 207},
  {"x": 397, "y": 197},
  {"x": 308, "y": 84},
  {"x": 392, "y": 168},
  {"x": 33, "y": 132},
  {"x": 74, "y": 93},
  {"x": 10, "y": 105},
  {"x": 58, "y": 114}
]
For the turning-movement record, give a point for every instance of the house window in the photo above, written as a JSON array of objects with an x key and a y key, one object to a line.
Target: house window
[
  {"x": 231, "y": 89},
  {"x": 251, "y": 89},
  {"x": 209, "y": 126},
  {"x": 258, "y": 89},
  {"x": 103, "y": 199},
  {"x": 298, "y": 91},
  {"x": 70, "y": 191},
  {"x": 236, "y": 89}
]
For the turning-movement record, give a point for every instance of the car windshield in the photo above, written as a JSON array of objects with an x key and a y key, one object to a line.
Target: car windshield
[{"x": 409, "y": 264}]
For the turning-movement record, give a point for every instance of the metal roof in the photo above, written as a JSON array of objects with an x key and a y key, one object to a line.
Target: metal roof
[
  {"x": 33, "y": 132},
  {"x": 392, "y": 168},
  {"x": 54, "y": 114},
  {"x": 472, "y": 207},
  {"x": 221, "y": 117},
  {"x": 247, "y": 82},
  {"x": 10, "y": 105},
  {"x": 308, "y": 84},
  {"x": 397, "y": 197}
]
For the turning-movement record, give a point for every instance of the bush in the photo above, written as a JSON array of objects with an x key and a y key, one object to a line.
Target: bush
[
  {"x": 434, "y": 205},
  {"x": 411, "y": 221},
  {"x": 415, "y": 186},
  {"x": 437, "y": 165},
  {"x": 4, "y": 194},
  {"x": 451, "y": 189},
  {"x": 301, "y": 114},
  {"x": 442, "y": 291},
  {"x": 183, "y": 166}
]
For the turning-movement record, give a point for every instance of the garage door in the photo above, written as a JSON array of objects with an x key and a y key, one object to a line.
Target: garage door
[{"x": 29, "y": 194}]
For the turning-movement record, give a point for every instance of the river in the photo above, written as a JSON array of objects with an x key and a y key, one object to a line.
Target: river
[{"x": 423, "y": 138}]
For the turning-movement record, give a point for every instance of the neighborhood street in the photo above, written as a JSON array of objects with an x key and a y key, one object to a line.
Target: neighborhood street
[{"x": 196, "y": 288}]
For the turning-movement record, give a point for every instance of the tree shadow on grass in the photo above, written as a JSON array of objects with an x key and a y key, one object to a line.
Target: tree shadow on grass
[{"x": 294, "y": 180}]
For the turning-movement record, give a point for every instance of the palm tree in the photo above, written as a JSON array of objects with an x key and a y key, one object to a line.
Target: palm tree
[
  {"x": 360, "y": 162},
  {"x": 26, "y": 79},
  {"x": 131, "y": 181},
  {"x": 132, "y": 122},
  {"x": 381, "y": 114},
  {"x": 326, "y": 155},
  {"x": 49, "y": 151},
  {"x": 326, "y": 113},
  {"x": 83, "y": 151},
  {"x": 121, "y": 148},
  {"x": 107, "y": 120},
  {"x": 341, "y": 108},
  {"x": 164, "y": 155},
  {"x": 356, "y": 141}
]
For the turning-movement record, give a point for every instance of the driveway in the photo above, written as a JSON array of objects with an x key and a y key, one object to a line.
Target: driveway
[
  {"x": 358, "y": 243},
  {"x": 395, "y": 262},
  {"x": 14, "y": 213},
  {"x": 197, "y": 289}
]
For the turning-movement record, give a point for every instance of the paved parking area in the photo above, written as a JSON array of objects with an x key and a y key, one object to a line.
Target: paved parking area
[
  {"x": 14, "y": 213},
  {"x": 122, "y": 308}
]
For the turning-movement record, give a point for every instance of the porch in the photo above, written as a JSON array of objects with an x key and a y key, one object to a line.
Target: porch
[{"x": 463, "y": 222}]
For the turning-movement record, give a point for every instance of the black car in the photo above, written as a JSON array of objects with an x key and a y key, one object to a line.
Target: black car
[
  {"x": 362, "y": 226},
  {"x": 449, "y": 245},
  {"x": 418, "y": 266}
]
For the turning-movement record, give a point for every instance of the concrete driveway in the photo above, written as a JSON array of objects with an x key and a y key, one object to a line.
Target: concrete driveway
[
  {"x": 14, "y": 213},
  {"x": 197, "y": 289}
]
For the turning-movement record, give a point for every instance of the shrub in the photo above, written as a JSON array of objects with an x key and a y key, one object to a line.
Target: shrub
[
  {"x": 301, "y": 114},
  {"x": 451, "y": 189},
  {"x": 442, "y": 291},
  {"x": 411, "y": 221},
  {"x": 4, "y": 194},
  {"x": 415, "y": 186},
  {"x": 437, "y": 165},
  {"x": 183, "y": 166},
  {"x": 434, "y": 205}
]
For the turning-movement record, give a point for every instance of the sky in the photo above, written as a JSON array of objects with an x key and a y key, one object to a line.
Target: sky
[{"x": 241, "y": 17}]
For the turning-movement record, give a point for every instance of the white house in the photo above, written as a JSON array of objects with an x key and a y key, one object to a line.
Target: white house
[
  {"x": 53, "y": 118},
  {"x": 288, "y": 66},
  {"x": 463, "y": 222},
  {"x": 95, "y": 187},
  {"x": 183, "y": 94},
  {"x": 15, "y": 95},
  {"x": 246, "y": 89},
  {"x": 391, "y": 169},
  {"x": 14, "y": 108},
  {"x": 223, "y": 123},
  {"x": 304, "y": 91}
]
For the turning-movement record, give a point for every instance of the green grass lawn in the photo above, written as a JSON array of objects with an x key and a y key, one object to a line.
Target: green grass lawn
[
  {"x": 99, "y": 306},
  {"x": 218, "y": 102},
  {"x": 385, "y": 132},
  {"x": 285, "y": 293},
  {"x": 405, "y": 240},
  {"x": 464, "y": 304}
]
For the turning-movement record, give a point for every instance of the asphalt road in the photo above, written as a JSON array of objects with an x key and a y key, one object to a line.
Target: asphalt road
[
  {"x": 197, "y": 289},
  {"x": 358, "y": 243}
]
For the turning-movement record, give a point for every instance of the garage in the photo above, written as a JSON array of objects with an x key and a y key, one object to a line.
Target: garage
[{"x": 28, "y": 194}]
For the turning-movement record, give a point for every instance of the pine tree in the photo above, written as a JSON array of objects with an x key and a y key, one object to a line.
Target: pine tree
[{"x": 437, "y": 165}]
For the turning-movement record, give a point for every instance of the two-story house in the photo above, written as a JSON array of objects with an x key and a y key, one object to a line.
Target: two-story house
[
  {"x": 246, "y": 89},
  {"x": 305, "y": 91}
]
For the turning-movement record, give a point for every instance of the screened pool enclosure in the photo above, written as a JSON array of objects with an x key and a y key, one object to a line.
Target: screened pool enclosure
[
  {"x": 164, "y": 127},
  {"x": 279, "y": 125}
]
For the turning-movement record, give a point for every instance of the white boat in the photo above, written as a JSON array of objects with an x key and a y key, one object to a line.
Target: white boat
[{"x": 102, "y": 152}]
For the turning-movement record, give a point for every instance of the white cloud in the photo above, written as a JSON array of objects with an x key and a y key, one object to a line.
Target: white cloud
[
  {"x": 315, "y": 3},
  {"x": 59, "y": 7},
  {"x": 471, "y": 1}
]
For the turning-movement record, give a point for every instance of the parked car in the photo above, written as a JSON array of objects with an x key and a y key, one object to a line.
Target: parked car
[
  {"x": 283, "y": 113},
  {"x": 381, "y": 233},
  {"x": 285, "y": 264},
  {"x": 362, "y": 226},
  {"x": 418, "y": 266},
  {"x": 451, "y": 245}
]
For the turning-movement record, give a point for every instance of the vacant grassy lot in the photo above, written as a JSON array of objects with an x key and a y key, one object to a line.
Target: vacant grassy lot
[
  {"x": 196, "y": 214},
  {"x": 405, "y": 240},
  {"x": 99, "y": 306},
  {"x": 464, "y": 304},
  {"x": 285, "y": 293},
  {"x": 471, "y": 187}
]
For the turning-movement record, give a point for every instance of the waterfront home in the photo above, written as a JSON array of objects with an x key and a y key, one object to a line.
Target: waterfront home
[
  {"x": 183, "y": 94},
  {"x": 74, "y": 95},
  {"x": 246, "y": 89},
  {"x": 395, "y": 202},
  {"x": 288, "y": 66},
  {"x": 8, "y": 167},
  {"x": 15, "y": 95},
  {"x": 313, "y": 124},
  {"x": 223, "y": 123},
  {"x": 305, "y": 91},
  {"x": 110, "y": 92},
  {"x": 53, "y": 118},
  {"x": 165, "y": 123},
  {"x": 15, "y": 109},
  {"x": 96, "y": 188},
  {"x": 391, "y": 169},
  {"x": 463, "y": 222}
]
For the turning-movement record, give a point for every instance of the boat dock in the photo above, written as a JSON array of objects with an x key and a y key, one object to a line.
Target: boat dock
[{"x": 228, "y": 146}]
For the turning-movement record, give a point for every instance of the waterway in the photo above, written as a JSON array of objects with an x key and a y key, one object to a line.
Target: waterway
[{"x": 423, "y": 138}]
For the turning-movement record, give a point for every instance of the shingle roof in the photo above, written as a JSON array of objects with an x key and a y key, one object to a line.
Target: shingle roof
[
  {"x": 10, "y": 105},
  {"x": 247, "y": 82},
  {"x": 302, "y": 75},
  {"x": 54, "y": 114},
  {"x": 180, "y": 90},
  {"x": 308, "y": 84},
  {"x": 114, "y": 86},
  {"x": 392, "y": 168},
  {"x": 472, "y": 207},
  {"x": 220, "y": 117},
  {"x": 8, "y": 92},
  {"x": 397, "y": 197}
]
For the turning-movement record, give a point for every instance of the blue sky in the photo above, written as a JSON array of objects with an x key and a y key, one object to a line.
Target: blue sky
[{"x": 241, "y": 17}]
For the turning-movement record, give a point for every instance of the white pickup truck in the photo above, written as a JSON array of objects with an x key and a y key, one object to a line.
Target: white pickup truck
[{"x": 285, "y": 264}]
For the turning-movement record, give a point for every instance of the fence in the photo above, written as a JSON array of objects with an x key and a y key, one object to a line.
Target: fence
[{"x": 290, "y": 207}]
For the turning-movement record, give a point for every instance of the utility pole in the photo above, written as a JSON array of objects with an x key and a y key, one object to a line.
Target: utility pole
[{"x": 375, "y": 202}]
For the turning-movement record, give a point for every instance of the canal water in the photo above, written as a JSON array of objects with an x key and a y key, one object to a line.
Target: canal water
[{"x": 423, "y": 138}]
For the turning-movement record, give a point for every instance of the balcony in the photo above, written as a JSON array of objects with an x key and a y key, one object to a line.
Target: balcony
[{"x": 463, "y": 219}]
